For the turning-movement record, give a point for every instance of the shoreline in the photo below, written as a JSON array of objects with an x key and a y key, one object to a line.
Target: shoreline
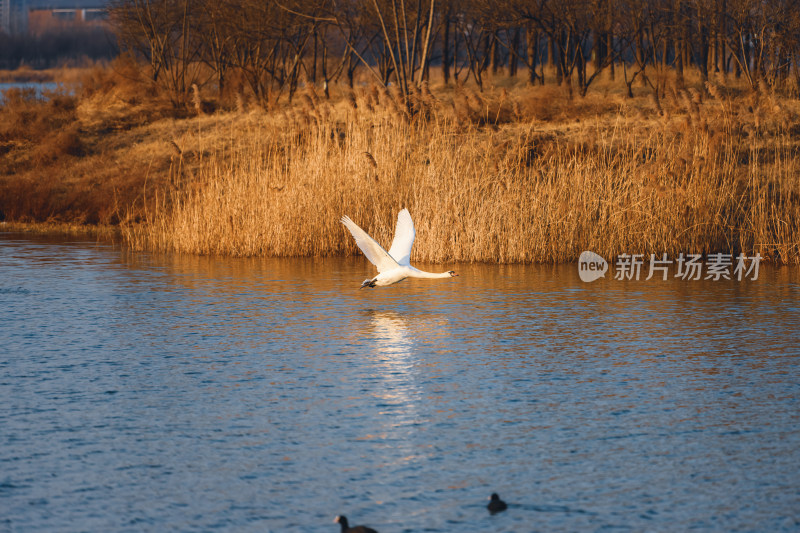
[
  {"x": 60, "y": 75},
  {"x": 63, "y": 229},
  {"x": 115, "y": 235}
]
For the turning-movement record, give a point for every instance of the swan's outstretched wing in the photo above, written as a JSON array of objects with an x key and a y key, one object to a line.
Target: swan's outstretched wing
[
  {"x": 403, "y": 238},
  {"x": 374, "y": 252}
]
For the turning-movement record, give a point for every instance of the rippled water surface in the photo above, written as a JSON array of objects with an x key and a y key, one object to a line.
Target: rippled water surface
[{"x": 156, "y": 393}]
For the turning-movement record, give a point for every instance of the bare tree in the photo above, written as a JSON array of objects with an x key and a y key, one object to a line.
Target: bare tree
[
  {"x": 270, "y": 43},
  {"x": 163, "y": 33}
]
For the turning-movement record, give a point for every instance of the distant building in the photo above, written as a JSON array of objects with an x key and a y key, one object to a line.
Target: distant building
[
  {"x": 13, "y": 16},
  {"x": 43, "y": 20},
  {"x": 67, "y": 4}
]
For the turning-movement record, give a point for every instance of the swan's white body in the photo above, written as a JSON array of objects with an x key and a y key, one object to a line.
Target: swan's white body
[{"x": 394, "y": 265}]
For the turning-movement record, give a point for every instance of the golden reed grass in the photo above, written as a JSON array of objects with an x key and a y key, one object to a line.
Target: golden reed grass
[{"x": 684, "y": 173}]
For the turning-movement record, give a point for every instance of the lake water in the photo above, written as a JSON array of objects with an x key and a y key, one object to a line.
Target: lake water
[
  {"x": 163, "y": 393},
  {"x": 39, "y": 87}
]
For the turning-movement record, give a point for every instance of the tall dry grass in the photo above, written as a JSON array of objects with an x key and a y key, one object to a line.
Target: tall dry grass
[{"x": 486, "y": 178}]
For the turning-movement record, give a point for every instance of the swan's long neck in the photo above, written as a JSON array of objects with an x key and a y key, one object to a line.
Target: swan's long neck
[{"x": 422, "y": 274}]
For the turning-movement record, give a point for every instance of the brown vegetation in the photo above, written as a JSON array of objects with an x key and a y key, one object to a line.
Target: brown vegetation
[
  {"x": 68, "y": 77},
  {"x": 513, "y": 173},
  {"x": 249, "y": 128},
  {"x": 83, "y": 155}
]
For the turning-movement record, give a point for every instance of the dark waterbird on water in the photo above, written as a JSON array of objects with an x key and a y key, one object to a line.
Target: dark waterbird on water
[
  {"x": 355, "y": 529},
  {"x": 496, "y": 504}
]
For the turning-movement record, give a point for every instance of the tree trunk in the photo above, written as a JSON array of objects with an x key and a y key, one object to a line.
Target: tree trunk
[
  {"x": 722, "y": 31},
  {"x": 455, "y": 57},
  {"x": 325, "y": 71},
  {"x": 610, "y": 50},
  {"x": 446, "y": 49},
  {"x": 756, "y": 55},
  {"x": 599, "y": 49},
  {"x": 556, "y": 55},
  {"x": 495, "y": 54},
  {"x": 532, "y": 44},
  {"x": 512, "y": 56},
  {"x": 314, "y": 61},
  {"x": 704, "y": 50},
  {"x": 486, "y": 62},
  {"x": 715, "y": 54},
  {"x": 351, "y": 70},
  {"x": 641, "y": 56}
]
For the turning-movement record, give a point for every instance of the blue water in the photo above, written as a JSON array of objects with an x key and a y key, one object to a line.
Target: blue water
[
  {"x": 163, "y": 393},
  {"x": 39, "y": 88}
]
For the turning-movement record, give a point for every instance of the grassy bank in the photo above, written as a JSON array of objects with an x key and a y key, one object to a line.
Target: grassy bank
[
  {"x": 101, "y": 233},
  {"x": 514, "y": 173},
  {"x": 89, "y": 155},
  {"x": 509, "y": 175}
]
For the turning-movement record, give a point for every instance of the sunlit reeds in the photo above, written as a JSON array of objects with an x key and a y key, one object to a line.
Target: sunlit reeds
[{"x": 487, "y": 180}]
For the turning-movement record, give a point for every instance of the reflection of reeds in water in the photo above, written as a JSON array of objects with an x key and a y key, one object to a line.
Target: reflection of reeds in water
[{"x": 687, "y": 173}]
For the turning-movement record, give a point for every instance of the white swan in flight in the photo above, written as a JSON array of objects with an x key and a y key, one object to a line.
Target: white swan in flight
[{"x": 394, "y": 265}]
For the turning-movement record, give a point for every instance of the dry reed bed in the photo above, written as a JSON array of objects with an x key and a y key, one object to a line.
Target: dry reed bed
[{"x": 684, "y": 174}]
